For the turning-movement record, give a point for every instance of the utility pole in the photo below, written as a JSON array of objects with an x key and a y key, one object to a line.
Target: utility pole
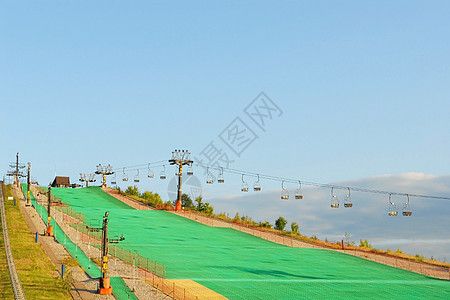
[
  {"x": 49, "y": 218},
  {"x": 104, "y": 170},
  {"x": 15, "y": 171},
  {"x": 87, "y": 178},
  {"x": 180, "y": 158},
  {"x": 105, "y": 287},
  {"x": 16, "y": 179},
  {"x": 28, "y": 203}
]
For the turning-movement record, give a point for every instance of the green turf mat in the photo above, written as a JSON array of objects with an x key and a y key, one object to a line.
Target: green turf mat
[
  {"x": 241, "y": 266},
  {"x": 120, "y": 289}
]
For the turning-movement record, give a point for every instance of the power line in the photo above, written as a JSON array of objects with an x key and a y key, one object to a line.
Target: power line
[
  {"x": 162, "y": 163},
  {"x": 142, "y": 166},
  {"x": 317, "y": 184}
]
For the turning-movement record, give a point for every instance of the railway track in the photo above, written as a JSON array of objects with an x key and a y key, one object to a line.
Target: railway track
[{"x": 15, "y": 281}]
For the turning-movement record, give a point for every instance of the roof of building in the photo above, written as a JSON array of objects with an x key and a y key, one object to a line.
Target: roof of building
[{"x": 61, "y": 181}]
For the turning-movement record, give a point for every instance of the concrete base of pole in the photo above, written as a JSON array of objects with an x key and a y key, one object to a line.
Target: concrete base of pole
[
  {"x": 178, "y": 205},
  {"x": 107, "y": 288},
  {"x": 49, "y": 231}
]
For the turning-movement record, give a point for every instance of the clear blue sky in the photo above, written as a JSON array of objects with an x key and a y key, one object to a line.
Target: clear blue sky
[{"x": 363, "y": 86}]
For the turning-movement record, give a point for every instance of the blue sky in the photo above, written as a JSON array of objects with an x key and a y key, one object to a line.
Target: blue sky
[{"x": 362, "y": 89}]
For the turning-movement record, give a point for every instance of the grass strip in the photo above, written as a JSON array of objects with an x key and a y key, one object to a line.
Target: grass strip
[{"x": 6, "y": 291}]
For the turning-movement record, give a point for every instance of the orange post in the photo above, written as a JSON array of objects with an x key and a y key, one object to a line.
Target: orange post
[
  {"x": 178, "y": 205},
  {"x": 49, "y": 231},
  {"x": 107, "y": 288}
]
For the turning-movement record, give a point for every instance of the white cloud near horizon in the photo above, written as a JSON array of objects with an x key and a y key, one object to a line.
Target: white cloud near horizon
[{"x": 425, "y": 232}]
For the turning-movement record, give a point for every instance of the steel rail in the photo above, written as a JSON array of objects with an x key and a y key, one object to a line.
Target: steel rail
[{"x": 15, "y": 281}]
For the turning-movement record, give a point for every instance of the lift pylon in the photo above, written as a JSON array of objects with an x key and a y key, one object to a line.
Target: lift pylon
[
  {"x": 180, "y": 158},
  {"x": 49, "y": 231},
  {"x": 104, "y": 170},
  {"x": 28, "y": 203}
]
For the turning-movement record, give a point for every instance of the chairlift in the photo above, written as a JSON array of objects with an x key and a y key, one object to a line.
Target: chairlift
[
  {"x": 136, "y": 178},
  {"x": 406, "y": 208},
  {"x": 244, "y": 185},
  {"x": 334, "y": 199},
  {"x": 190, "y": 171},
  {"x": 162, "y": 175},
  {"x": 392, "y": 208},
  {"x": 114, "y": 180},
  {"x": 298, "y": 193},
  {"x": 220, "y": 177},
  {"x": 347, "y": 200},
  {"x": 125, "y": 176},
  {"x": 150, "y": 172},
  {"x": 257, "y": 185},
  {"x": 284, "y": 192},
  {"x": 209, "y": 179}
]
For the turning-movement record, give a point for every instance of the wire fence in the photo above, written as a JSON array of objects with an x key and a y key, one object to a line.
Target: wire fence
[
  {"x": 174, "y": 290},
  {"x": 137, "y": 260},
  {"x": 150, "y": 271},
  {"x": 71, "y": 216},
  {"x": 91, "y": 233}
]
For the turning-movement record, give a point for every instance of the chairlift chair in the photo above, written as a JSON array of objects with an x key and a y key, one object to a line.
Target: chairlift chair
[
  {"x": 190, "y": 171},
  {"x": 334, "y": 199},
  {"x": 406, "y": 208},
  {"x": 220, "y": 178},
  {"x": 136, "y": 178},
  {"x": 125, "y": 176},
  {"x": 392, "y": 208},
  {"x": 284, "y": 192},
  {"x": 298, "y": 193},
  {"x": 244, "y": 185},
  {"x": 209, "y": 179},
  {"x": 257, "y": 185},
  {"x": 162, "y": 175},
  {"x": 347, "y": 200},
  {"x": 150, "y": 172},
  {"x": 114, "y": 181}
]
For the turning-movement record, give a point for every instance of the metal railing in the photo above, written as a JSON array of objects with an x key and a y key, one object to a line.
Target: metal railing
[{"x": 15, "y": 281}]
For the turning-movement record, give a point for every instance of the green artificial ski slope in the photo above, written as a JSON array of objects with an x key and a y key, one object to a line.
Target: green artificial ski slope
[{"x": 241, "y": 266}]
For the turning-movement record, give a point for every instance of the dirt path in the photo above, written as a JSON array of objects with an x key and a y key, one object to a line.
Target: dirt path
[
  {"x": 414, "y": 266},
  {"x": 130, "y": 202}
]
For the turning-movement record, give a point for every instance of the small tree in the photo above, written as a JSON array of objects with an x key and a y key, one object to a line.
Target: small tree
[
  {"x": 186, "y": 201},
  {"x": 133, "y": 191},
  {"x": 204, "y": 207},
  {"x": 294, "y": 227},
  {"x": 365, "y": 244},
  {"x": 208, "y": 209},
  {"x": 237, "y": 218},
  {"x": 265, "y": 224},
  {"x": 280, "y": 223},
  {"x": 347, "y": 238},
  {"x": 151, "y": 198},
  {"x": 199, "y": 203}
]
